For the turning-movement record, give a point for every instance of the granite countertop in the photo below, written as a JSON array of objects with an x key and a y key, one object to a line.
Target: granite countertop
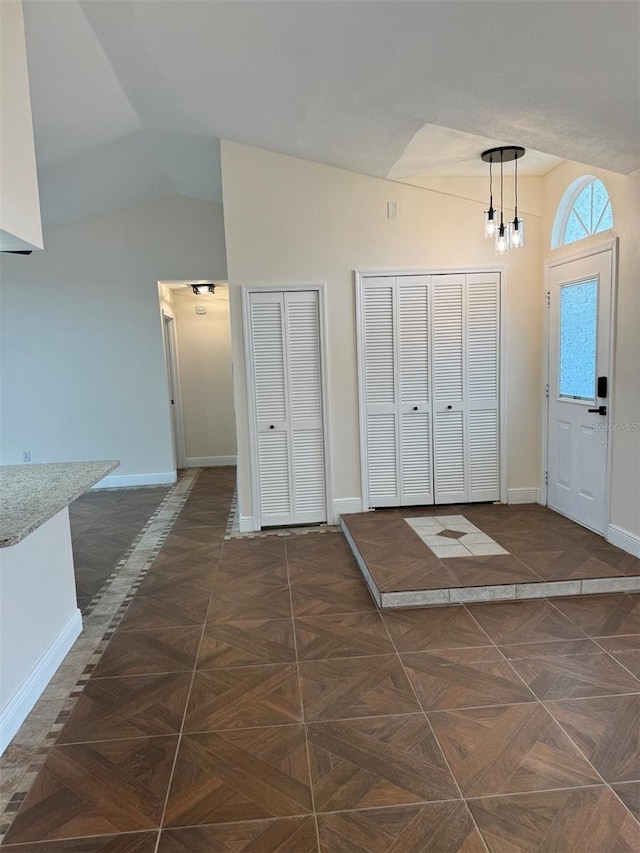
[{"x": 32, "y": 494}]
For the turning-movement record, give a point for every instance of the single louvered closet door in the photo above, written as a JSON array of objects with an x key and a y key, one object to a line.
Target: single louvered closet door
[{"x": 287, "y": 377}]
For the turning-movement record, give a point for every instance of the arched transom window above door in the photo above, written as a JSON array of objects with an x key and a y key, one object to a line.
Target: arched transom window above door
[{"x": 585, "y": 209}]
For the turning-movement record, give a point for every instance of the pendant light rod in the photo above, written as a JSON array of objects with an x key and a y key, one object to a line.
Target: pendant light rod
[
  {"x": 491, "y": 185},
  {"x": 501, "y": 190},
  {"x": 513, "y": 239}
]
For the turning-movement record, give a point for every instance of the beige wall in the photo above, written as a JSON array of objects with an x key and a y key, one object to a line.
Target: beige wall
[
  {"x": 292, "y": 221},
  {"x": 206, "y": 379},
  {"x": 20, "y": 226},
  {"x": 624, "y": 192}
]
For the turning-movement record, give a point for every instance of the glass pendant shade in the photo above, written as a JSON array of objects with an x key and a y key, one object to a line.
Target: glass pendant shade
[
  {"x": 516, "y": 233},
  {"x": 502, "y": 243},
  {"x": 490, "y": 223}
]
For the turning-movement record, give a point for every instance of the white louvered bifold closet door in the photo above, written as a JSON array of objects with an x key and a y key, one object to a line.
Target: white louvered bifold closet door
[
  {"x": 465, "y": 381},
  {"x": 380, "y": 386},
  {"x": 306, "y": 406},
  {"x": 482, "y": 369},
  {"x": 396, "y": 386},
  {"x": 285, "y": 351},
  {"x": 447, "y": 299},
  {"x": 414, "y": 416},
  {"x": 430, "y": 369}
]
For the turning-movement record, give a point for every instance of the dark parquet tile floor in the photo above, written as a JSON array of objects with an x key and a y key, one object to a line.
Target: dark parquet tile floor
[
  {"x": 254, "y": 699},
  {"x": 104, "y": 524}
]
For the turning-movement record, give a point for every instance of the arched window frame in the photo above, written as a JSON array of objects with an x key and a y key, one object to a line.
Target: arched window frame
[{"x": 566, "y": 206}]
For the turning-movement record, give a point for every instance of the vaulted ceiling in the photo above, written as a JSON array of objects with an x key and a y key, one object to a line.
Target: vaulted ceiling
[{"x": 131, "y": 97}]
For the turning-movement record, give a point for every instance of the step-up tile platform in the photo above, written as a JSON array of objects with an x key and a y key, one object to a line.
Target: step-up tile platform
[{"x": 413, "y": 557}]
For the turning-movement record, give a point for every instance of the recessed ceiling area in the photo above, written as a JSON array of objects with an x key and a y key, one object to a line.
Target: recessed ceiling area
[
  {"x": 441, "y": 151},
  {"x": 130, "y": 98}
]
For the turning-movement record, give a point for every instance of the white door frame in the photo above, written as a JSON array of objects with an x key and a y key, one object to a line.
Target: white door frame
[
  {"x": 173, "y": 365},
  {"x": 246, "y": 291},
  {"x": 359, "y": 276},
  {"x": 605, "y": 246}
]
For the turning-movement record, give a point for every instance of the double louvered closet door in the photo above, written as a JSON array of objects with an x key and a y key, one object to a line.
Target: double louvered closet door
[
  {"x": 430, "y": 382},
  {"x": 286, "y": 373}
]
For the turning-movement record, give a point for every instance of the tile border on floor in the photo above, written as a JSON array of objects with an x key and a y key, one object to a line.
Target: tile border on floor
[{"x": 100, "y": 618}]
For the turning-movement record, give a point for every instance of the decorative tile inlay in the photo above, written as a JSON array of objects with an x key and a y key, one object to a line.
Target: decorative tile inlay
[{"x": 453, "y": 536}]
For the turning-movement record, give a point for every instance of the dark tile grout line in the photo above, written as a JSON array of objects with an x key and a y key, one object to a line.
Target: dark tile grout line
[
  {"x": 31, "y": 771},
  {"x": 302, "y": 714},
  {"x": 187, "y": 701},
  {"x": 435, "y": 737}
]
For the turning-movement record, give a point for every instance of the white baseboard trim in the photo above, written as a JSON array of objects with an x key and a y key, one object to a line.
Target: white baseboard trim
[
  {"x": 522, "y": 496},
  {"x": 622, "y": 538},
  {"x": 17, "y": 709},
  {"x": 247, "y": 524},
  {"x": 541, "y": 498},
  {"x": 210, "y": 461},
  {"x": 346, "y": 506},
  {"x": 118, "y": 481}
]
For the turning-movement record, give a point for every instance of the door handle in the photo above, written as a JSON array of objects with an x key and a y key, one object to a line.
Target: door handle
[{"x": 601, "y": 410}]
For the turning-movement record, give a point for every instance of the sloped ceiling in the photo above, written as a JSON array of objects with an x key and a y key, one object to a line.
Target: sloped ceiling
[{"x": 130, "y": 97}]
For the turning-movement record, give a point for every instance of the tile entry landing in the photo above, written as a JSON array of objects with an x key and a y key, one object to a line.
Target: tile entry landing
[{"x": 422, "y": 556}]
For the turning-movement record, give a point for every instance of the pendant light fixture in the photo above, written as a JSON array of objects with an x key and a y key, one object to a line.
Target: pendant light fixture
[{"x": 511, "y": 235}]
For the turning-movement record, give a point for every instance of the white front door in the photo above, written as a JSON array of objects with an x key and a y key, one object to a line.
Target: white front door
[{"x": 579, "y": 330}]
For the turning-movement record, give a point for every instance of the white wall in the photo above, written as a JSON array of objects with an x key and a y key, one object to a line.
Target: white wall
[
  {"x": 292, "y": 221},
  {"x": 20, "y": 226},
  {"x": 624, "y": 192},
  {"x": 83, "y": 373},
  {"x": 39, "y": 617},
  {"x": 206, "y": 379}
]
